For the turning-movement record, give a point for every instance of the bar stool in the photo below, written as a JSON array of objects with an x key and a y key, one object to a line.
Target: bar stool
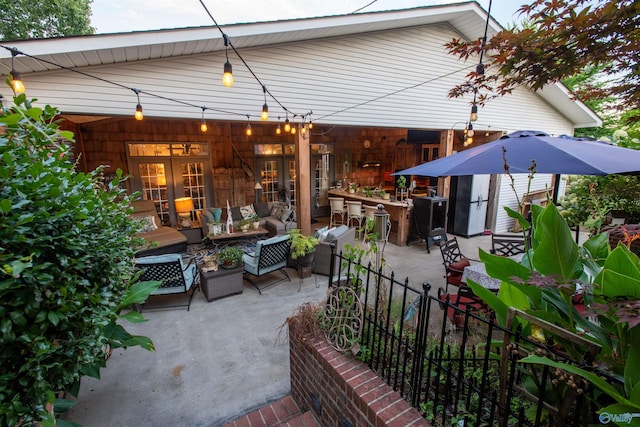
[
  {"x": 337, "y": 208},
  {"x": 354, "y": 213}
]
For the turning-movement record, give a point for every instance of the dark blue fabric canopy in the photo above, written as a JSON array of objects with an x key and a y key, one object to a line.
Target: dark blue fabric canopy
[{"x": 556, "y": 155}]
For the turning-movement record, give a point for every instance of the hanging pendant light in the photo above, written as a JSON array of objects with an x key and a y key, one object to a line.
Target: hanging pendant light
[
  {"x": 287, "y": 125},
  {"x": 138, "y": 114},
  {"x": 249, "y": 131},
  {"x": 203, "y": 122},
  {"x": 227, "y": 76},
  {"x": 16, "y": 81},
  {"x": 474, "y": 113},
  {"x": 264, "y": 116}
]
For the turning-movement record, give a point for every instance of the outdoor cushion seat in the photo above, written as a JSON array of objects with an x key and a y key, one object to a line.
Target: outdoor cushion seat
[
  {"x": 170, "y": 269},
  {"x": 270, "y": 256},
  {"x": 159, "y": 239}
]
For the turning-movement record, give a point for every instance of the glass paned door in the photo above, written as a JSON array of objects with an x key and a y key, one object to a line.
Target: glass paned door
[
  {"x": 167, "y": 171},
  {"x": 275, "y": 177},
  {"x": 153, "y": 182},
  {"x": 321, "y": 183}
]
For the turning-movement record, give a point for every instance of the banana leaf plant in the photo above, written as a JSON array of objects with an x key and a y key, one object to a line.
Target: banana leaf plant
[{"x": 544, "y": 283}]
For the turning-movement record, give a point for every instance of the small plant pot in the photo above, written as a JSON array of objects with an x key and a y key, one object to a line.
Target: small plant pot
[{"x": 255, "y": 225}]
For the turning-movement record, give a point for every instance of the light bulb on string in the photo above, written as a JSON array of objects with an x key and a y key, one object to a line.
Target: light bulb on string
[
  {"x": 287, "y": 125},
  {"x": 265, "y": 108},
  {"x": 16, "y": 81},
  {"x": 227, "y": 76},
  {"x": 138, "y": 114},
  {"x": 203, "y": 122},
  {"x": 474, "y": 113},
  {"x": 470, "y": 131},
  {"x": 278, "y": 128},
  {"x": 249, "y": 131}
]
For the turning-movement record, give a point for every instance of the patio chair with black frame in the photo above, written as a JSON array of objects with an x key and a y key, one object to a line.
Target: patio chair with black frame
[
  {"x": 176, "y": 277},
  {"x": 270, "y": 256},
  {"x": 508, "y": 244}
]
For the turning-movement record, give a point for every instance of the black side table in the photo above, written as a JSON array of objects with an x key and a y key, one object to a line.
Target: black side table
[{"x": 222, "y": 282}]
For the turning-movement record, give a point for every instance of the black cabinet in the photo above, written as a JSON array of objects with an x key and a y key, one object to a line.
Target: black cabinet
[{"x": 430, "y": 218}]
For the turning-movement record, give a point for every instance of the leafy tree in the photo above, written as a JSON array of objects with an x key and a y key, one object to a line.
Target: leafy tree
[
  {"x": 65, "y": 266},
  {"x": 561, "y": 38},
  {"x": 28, "y": 19}
]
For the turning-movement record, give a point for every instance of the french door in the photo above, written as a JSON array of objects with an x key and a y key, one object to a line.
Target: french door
[
  {"x": 164, "y": 172},
  {"x": 277, "y": 174}
]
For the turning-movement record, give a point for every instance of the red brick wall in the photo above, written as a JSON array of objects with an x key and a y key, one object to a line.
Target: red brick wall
[{"x": 346, "y": 388}]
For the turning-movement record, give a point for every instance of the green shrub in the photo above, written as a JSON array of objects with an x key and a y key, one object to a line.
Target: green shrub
[{"x": 65, "y": 266}]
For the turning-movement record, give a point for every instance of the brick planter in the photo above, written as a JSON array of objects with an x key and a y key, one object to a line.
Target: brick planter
[{"x": 341, "y": 389}]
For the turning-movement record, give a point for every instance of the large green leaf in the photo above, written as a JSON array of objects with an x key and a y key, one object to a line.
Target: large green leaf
[
  {"x": 139, "y": 292},
  {"x": 620, "y": 276},
  {"x": 632, "y": 366},
  {"x": 557, "y": 253},
  {"x": 503, "y": 268},
  {"x": 497, "y": 305}
]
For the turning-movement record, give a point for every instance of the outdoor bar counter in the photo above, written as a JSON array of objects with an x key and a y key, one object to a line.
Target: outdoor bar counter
[{"x": 399, "y": 214}]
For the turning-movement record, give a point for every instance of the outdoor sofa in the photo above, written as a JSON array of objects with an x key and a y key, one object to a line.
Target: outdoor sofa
[
  {"x": 159, "y": 238},
  {"x": 277, "y": 217}
]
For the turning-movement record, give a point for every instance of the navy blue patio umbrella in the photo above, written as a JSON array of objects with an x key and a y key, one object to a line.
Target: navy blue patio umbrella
[{"x": 555, "y": 155}]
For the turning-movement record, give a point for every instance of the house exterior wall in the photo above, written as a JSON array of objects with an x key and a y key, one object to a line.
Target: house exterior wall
[
  {"x": 324, "y": 76},
  {"x": 397, "y": 79}
]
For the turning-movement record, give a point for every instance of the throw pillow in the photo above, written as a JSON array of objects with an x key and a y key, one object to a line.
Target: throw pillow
[
  {"x": 146, "y": 223},
  {"x": 285, "y": 214},
  {"x": 319, "y": 231},
  {"x": 247, "y": 211},
  {"x": 334, "y": 234},
  {"x": 236, "y": 215},
  {"x": 208, "y": 217},
  {"x": 262, "y": 209}
]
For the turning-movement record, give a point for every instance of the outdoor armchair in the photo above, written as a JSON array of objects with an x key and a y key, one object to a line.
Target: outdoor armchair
[
  {"x": 270, "y": 256},
  {"x": 176, "y": 277}
]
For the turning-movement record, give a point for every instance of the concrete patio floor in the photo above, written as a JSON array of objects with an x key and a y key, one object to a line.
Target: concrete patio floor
[{"x": 223, "y": 358}]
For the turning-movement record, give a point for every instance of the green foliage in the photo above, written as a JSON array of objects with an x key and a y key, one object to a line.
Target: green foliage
[
  {"x": 65, "y": 266},
  {"x": 544, "y": 283},
  {"x": 589, "y": 198},
  {"x": 230, "y": 255},
  {"x": 301, "y": 244},
  {"x": 29, "y": 19},
  {"x": 401, "y": 181},
  {"x": 561, "y": 38}
]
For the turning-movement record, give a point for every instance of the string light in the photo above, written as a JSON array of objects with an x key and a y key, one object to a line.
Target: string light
[
  {"x": 470, "y": 131},
  {"x": 474, "y": 111},
  {"x": 249, "y": 131},
  {"x": 16, "y": 81},
  {"x": 278, "y": 129},
  {"x": 138, "y": 114},
  {"x": 265, "y": 108},
  {"x": 227, "y": 77},
  {"x": 203, "y": 122},
  {"x": 287, "y": 125}
]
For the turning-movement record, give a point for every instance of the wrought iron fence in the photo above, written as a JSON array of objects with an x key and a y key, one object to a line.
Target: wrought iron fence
[{"x": 456, "y": 364}]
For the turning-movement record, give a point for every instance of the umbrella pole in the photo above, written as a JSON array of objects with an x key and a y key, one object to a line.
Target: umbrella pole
[{"x": 556, "y": 188}]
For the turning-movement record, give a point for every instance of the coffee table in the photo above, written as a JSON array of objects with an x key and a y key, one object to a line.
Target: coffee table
[
  {"x": 258, "y": 232},
  {"x": 241, "y": 238}
]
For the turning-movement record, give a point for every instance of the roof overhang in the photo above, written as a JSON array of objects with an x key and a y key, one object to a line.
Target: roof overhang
[{"x": 467, "y": 18}]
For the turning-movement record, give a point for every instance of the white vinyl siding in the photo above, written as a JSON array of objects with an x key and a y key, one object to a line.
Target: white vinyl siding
[{"x": 396, "y": 78}]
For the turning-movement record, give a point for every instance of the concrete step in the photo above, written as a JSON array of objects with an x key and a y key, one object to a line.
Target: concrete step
[{"x": 281, "y": 413}]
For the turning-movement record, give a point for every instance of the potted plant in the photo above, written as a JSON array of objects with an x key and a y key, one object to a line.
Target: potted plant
[
  {"x": 401, "y": 182},
  {"x": 368, "y": 191},
  {"x": 383, "y": 195},
  {"x": 256, "y": 222},
  {"x": 303, "y": 249},
  {"x": 352, "y": 187},
  {"x": 230, "y": 257},
  {"x": 244, "y": 223}
]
